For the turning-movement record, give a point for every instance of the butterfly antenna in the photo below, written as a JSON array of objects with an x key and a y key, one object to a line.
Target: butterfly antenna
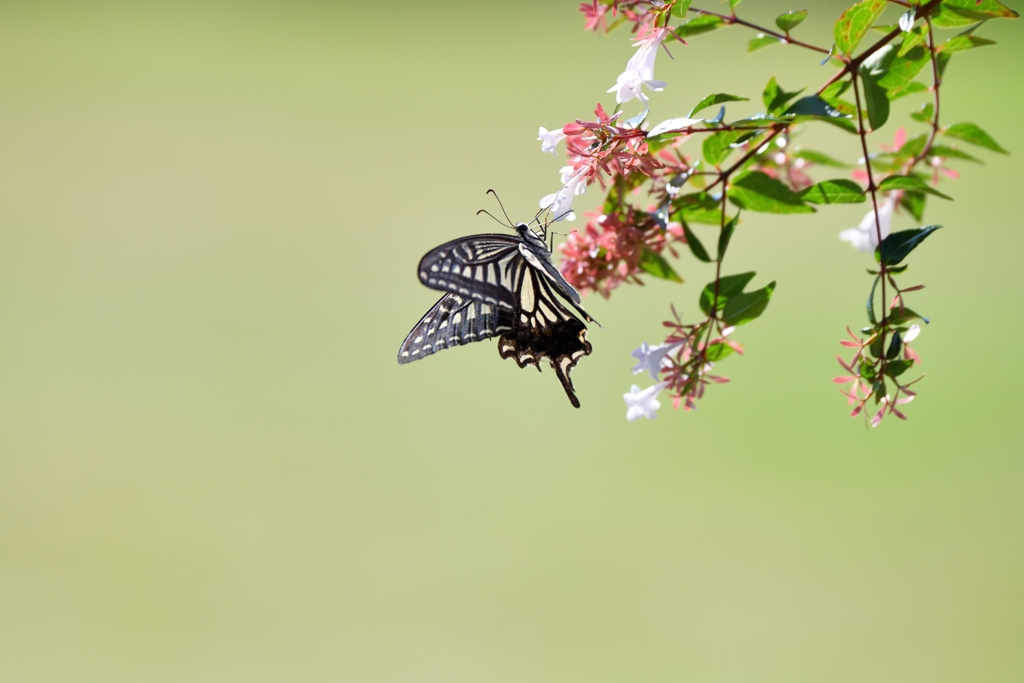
[
  {"x": 496, "y": 220},
  {"x": 511, "y": 224}
]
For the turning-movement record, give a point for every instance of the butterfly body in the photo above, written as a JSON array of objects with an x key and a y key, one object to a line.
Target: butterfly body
[{"x": 501, "y": 286}]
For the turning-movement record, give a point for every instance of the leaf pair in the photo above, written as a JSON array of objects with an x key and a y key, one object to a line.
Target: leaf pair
[{"x": 731, "y": 303}]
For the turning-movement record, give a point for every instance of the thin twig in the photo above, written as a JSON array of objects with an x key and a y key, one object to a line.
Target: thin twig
[{"x": 733, "y": 19}]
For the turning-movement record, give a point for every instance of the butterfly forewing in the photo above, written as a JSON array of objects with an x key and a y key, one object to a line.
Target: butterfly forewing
[
  {"x": 479, "y": 267},
  {"x": 454, "y": 320}
]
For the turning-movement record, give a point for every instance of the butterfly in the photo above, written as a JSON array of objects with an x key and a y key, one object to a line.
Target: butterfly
[{"x": 502, "y": 286}]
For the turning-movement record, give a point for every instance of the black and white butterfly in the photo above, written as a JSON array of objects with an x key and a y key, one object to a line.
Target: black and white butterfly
[{"x": 501, "y": 285}]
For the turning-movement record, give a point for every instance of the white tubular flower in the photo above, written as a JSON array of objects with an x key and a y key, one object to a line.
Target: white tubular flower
[
  {"x": 640, "y": 69},
  {"x": 643, "y": 401},
  {"x": 549, "y": 139},
  {"x": 652, "y": 358},
  {"x": 560, "y": 203},
  {"x": 864, "y": 237},
  {"x": 911, "y": 334}
]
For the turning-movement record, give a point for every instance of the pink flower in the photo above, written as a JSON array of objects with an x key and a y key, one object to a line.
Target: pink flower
[
  {"x": 594, "y": 12},
  {"x": 640, "y": 69}
]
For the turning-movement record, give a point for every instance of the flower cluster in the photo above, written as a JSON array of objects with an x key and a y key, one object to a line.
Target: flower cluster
[
  {"x": 637, "y": 12},
  {"x": 870, "y": 369},
  {"x": 655, "y": 195},
  {"x": 596, "y": 150},
  {"x": 614, "y": 248}
]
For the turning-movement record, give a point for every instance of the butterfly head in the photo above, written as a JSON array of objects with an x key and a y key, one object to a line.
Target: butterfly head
[{"x": 530, "y": 236}]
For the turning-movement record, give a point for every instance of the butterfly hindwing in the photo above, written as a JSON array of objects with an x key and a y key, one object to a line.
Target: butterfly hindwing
[
  {"x": 543, "y": 329},
  {"x": 454, "y": 320}
]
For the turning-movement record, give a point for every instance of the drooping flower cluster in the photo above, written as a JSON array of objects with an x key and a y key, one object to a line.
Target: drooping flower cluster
[
  {"x": 695, "y": 350},
  {"x": 613, "y": 249},
  {"x": 655, "y": 194},
  {"x": 596, "y": 150},
  {"x": 874, "y": 365}
]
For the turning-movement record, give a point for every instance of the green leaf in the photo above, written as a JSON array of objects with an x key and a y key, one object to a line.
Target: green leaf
[
  {"x": 898, "y": 245},
  {"x": 756, "y": 191},
  {"x": 717, "y": 98},
  {"x": 838, "y": 191},
  {"x": 907, "y": 20},
  {"x": 963, "y": 42},
  {"x": 812, "y": 105},
  {"x": 762, "y": 40},
  {"x": 718, "y": 146},
  {"x": 925, "y": 113},
  {"x": 897, "y": 367},
  {"x": 747, "y": 306},
  {"x": 908, "y": 182},
  {"x": 655, "y": 264},
  {"x": 672, "y": 125},
  {"x": 819, "y": 158},
  {"x": 717, "y": 352},
  {"x": 699, "y": 207},
  {"x": 733, "y": 3},
  {"x": 953, "y": 13},
  {"x": 912, "y": 39},
  {"x": 854, "y": 23},
  {"x": 775, "y": 98},
  {"x": 968, "y": 132},
  {"x": 726, "y": 235},
  {"x": 898, "y": 318},
  {"x": 909, "y": 89},
  {"x": 695, "y": 246},
  {"x": 952, "y": 153},
  {"x": 727, "y": 287},
  {"x": 836, "y": 89},
  {"x": 876, "y": 100},
  {"x": 679, "y": 9},
  {"x": 702, "y": 23},
  {"x": 896, "y": 74},
  {"x": 895, "y": 346},
  {"x": 790, "y": 20},
  {"x": 914, "y": 203}
]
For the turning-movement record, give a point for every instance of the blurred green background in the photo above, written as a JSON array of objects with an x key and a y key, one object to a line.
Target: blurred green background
[{"x": 212, "y": 469}]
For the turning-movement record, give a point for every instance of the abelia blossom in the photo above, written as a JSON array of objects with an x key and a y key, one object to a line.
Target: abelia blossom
[
  {"x": 652, "y": 359},
  {"x": 865, "y": 236},
  {"x": 640, "y": 69},
  {"x": 550, "y": 139},
  {"x": 865, "y": 381},
  {"x": 643, "y": 402},
  {"x": 560, "y": 203},
  {"x": 608, "y": 251},
  {"x": 937, "y": 163},
  {"x": 594, "y": 12}
]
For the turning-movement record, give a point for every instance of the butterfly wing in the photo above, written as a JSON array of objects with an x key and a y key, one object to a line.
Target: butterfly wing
[
  {"x": 480, "y": 267},
  {"x": 454, "y": 320},
  {"x": 543, "y": 329}
]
